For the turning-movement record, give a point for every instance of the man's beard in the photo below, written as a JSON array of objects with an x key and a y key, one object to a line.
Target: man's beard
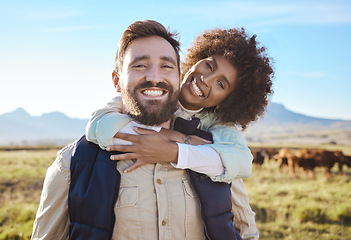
[{"x": 151, "y": 112}]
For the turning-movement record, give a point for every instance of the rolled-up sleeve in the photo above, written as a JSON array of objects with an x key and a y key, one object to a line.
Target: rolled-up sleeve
[
  {"x": 236, "y": 157},
  {"x": 106, "y": 122},
  {"x": 108, "y": 126},
  {"x": 52, "y": 218},
  {"x": 200, "y": 158}
]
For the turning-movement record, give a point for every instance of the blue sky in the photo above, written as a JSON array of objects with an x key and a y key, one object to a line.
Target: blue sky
[{"x": 58, "y": 55}]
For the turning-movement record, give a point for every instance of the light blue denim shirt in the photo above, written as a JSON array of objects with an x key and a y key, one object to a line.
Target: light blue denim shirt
[
  {"x": 228, "y": 141},
  {"x": 230, "y": 144}
]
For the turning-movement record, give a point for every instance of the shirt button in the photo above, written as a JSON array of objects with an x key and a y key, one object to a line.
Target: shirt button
[
  {"x": 164, "y": 222},
  {"x": 159, "y": 181}
]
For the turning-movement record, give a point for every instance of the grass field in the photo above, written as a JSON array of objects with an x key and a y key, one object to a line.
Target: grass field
[{"x": 286, "y": 208}]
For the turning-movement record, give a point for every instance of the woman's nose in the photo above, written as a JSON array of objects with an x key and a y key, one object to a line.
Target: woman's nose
[{"x": 205, "y": 80}]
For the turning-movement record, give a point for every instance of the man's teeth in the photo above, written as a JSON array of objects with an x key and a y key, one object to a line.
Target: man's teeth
[
  {"x": 153, "y": 93},
  {"x": 196, "y": 88}
]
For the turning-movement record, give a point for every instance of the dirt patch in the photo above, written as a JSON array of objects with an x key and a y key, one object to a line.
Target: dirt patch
[{"x": 20, "y": 190}]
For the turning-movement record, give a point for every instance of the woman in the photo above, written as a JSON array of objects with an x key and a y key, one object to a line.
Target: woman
[{"x": 226, "y": 85}]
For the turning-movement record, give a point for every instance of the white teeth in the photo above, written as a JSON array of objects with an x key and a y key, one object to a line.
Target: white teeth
[
  {"x": 153, "y": 93},
  {"x": 196, "y": 88}
]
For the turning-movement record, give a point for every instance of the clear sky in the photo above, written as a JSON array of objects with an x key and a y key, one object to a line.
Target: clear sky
[{"x": 59, "y": 55}]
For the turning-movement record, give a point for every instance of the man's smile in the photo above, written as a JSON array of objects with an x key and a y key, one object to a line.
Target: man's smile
[{"x": 152, "y": 92}]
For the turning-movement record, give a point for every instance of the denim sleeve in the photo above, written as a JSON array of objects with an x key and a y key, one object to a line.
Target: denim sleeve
[
  {"x": 106, "y": 122},
  {"x": 236, "y": 157}
]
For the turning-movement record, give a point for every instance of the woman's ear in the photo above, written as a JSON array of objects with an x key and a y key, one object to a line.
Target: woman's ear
[{"x": 115, "y": 79}]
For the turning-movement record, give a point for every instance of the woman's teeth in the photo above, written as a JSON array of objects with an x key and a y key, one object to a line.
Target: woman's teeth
[
  {"x": 153, "y": 93},
  {"x": 196, "y": 88}
]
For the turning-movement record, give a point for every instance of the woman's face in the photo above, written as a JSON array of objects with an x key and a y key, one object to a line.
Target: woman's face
[{"x": 208, "y": 83}]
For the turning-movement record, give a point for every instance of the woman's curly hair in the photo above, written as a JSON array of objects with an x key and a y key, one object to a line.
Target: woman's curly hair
[{"x": 249, "y": 99}]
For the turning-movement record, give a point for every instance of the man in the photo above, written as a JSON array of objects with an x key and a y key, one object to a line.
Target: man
[{"x": 155, "y": 201}]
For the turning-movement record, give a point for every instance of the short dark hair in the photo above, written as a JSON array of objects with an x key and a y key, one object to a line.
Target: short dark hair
[
  {"x": 145, "y": 28},
  {"x": 254, "y": 81}
]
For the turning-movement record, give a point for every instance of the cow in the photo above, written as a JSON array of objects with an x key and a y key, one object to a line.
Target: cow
[
  {"x": 345, "y": 160},
  {"x": 308, "y": 159},
  {"x": 269, "y": 154},
  {"x": 305, "y": 160},
  {"x": 286, "y": 156},
  {"x": 258, "y": 155},
  {"x": 327, "y": 159}
]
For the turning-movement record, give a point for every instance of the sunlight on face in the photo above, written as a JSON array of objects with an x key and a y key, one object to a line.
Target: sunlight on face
[{"x": 208, "y": 83}]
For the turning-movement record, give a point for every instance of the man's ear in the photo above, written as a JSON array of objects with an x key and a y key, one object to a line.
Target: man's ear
[{"x": 115, "y": 79}]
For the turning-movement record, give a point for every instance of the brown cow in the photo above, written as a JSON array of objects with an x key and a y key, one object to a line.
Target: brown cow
[
  {"x": 258, "y": 155},
  {"x": 286, "y": 156},
  {"x": 327, "y": 159},
  {"x": 345, "y": 160},
  {"x": 269, "y": 154},
  {"x": 308, "y": 159}
]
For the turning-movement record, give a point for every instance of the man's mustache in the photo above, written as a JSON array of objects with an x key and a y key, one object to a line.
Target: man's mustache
[{"x": 148, "y": 84}]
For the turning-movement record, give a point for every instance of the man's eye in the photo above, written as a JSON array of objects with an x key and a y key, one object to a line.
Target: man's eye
[
  {"x": 168, "y": 66},
  {"x": 139, "y": 66},
  {"x": 209, "y": 66},
  {"x": 220, "y": 84}
]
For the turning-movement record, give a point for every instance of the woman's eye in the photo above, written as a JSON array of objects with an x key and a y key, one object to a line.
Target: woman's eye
[
  {"x": 209, "y": 66},
  {"x": 220, "y": 84}
]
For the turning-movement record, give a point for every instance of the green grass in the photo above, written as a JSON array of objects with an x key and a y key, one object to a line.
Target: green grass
[
  {"x": 25, "y": 164},
  {"x": 22, "y": 175},
  {"x": 302, "y": 207},
  {"x": 286, "y": 208}
]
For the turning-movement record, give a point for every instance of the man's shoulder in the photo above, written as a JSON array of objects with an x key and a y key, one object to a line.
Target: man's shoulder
[{"x": 63, "y": 159}]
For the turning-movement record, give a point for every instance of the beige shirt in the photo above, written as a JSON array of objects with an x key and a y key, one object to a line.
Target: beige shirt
[
  {"x": 52, "y": 212},
  {"x": 155, "y": 202}
]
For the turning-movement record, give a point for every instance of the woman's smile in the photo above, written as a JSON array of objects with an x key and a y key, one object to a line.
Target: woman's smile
[{"x": 208, "y": 83}]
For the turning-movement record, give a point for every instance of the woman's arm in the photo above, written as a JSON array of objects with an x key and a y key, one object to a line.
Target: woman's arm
[
  {"x": 153, "y": 147},
  {"x": 236, "y": 157},
  {"x": 106, "y": 122},
  {"x": 227, "y": 158},
  {"x": 229, "y": 145},
  {"x": 175, "y": 136}
]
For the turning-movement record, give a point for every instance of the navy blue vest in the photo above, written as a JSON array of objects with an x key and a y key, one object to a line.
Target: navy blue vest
[
  {"x": 93, "y": 192},
  {"x": 214, "y": 197},
  {"x": 95, "y": 186}
]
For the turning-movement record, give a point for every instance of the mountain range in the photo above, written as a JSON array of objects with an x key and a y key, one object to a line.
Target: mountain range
[
  {"x": 21, "y": 128},
  {"x": 55, "y": 128},
  {"x": 280, "y": 125}
]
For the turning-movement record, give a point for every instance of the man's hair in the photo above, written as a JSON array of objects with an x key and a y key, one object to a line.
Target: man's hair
[
  {"x": 249, "y": 99},
  {"x": 140, "y": 29}
]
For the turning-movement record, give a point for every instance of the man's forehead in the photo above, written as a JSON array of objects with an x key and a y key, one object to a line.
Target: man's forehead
[{"x": 150, "y": 47}]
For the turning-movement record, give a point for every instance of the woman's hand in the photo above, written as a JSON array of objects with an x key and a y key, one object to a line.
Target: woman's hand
[
  {"x": 148, "y": 147},
  {"x": 178, "y": 137}
]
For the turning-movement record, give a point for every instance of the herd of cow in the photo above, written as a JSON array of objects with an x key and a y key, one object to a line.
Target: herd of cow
[{"x": 305, "y": 159}]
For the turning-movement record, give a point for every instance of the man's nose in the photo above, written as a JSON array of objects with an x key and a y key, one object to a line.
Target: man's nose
[{"x": 154, "y": 75}]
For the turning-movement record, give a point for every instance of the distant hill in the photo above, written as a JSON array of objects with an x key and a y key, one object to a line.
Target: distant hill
[
  {"x": 278, "y": 124},
  {"x": 277, "y": 114},
  {"x": 19, "y": 127}
]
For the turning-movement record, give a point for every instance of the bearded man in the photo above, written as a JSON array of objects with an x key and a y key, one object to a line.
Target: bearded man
[{"x": 88, "y": 196}]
